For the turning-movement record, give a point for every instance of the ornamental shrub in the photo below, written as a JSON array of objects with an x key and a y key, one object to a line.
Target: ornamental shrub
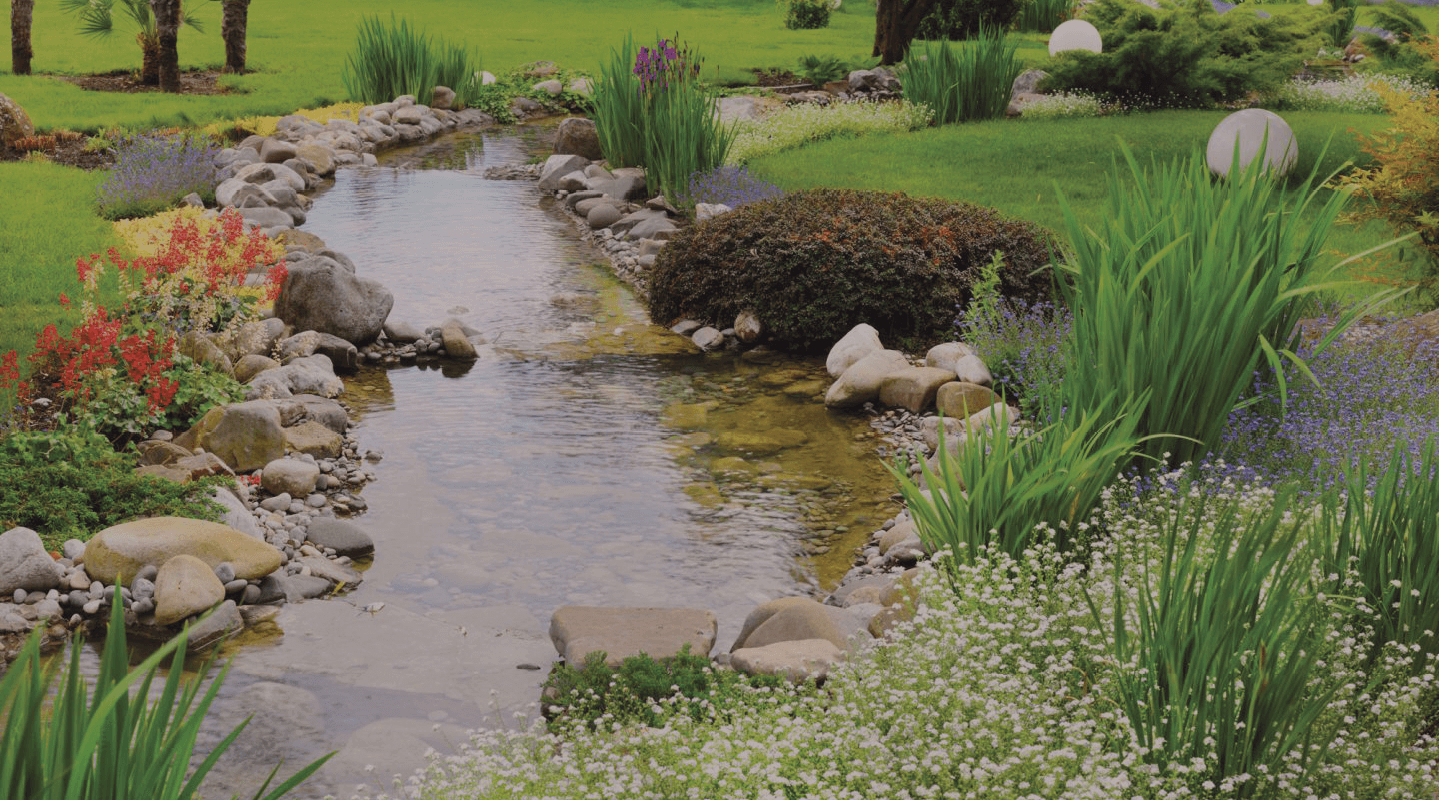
[
  {"x": 807, "y": 14},
  {"x": 814, "y": 264},
  {"x": 153, "y": 171},
  {"x": 1186, "y": 56},
  {"x": 963, "y": 19}
]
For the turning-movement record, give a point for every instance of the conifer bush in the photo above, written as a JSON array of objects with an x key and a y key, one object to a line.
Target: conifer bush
[{"x": 814, "y": 264}]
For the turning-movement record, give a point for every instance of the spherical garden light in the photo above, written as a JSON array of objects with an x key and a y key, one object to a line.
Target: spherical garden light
[
  {"x": 1248, "y": 130},
  {"x": 1075, "y": 34}
]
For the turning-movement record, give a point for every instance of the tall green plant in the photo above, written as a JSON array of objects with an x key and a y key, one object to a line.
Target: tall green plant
[
  {"x": 1189, "y": 286},
  {"x": 1344, "y": 13},
  {"x": 1217, "y": 651},
  {"x": 106, "y": 743},
  {"x": 1005, "y": 492},
  {"x": 1043, "y": 16},
  {"x": 651, "y": 110},
  {"x": 969, "y": 81},
  {"x": 1386, "y": 530},
  {"x": 390, "y": 60}
]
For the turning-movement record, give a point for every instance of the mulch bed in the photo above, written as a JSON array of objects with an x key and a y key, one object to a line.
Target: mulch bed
[{"x": 191, "y": 82}]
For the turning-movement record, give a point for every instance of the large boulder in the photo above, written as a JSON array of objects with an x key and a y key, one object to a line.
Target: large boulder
[
  {"x": 246, "y": 436},
  {"x": 264, "y": 173},
  {"x": 185, "y": 586},
  {"x": 310, "y": 375},
  {"x": 346, "y": 538},
  {"x": 577, "y": 631},
  {"x": 126, "y": 548},
  {"x": 313, "y": 408},
  {"x": 960, "y": 399},
  {"x": 14, "y": 122},
  {"x": 321, "y": 295},
  {"x": 344, "y": 357},
  {"x": 913, "y": 388},
  {"x": 24, "y": 563},
  {"x": 796, "y": 661},
  {"x": 578, "y": 136},
  {"x": 861, "y": 383},
  {"x": 313, "y": 438},
  {"x": 792, "y": 619},
  {"x": 290, "y": 476},
  {"x": 558, "y": 166},
  {"x": 861, "y": 340}
]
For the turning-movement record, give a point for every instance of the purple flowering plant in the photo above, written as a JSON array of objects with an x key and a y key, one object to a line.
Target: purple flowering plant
[
  {"x": 153, "y": 171},
  {"x": 664, "y": 64},
  {"x": 731, "y": 186}
]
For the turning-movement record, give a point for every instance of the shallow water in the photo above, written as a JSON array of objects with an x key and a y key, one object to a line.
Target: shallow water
[{"x": 588, "y": 457}]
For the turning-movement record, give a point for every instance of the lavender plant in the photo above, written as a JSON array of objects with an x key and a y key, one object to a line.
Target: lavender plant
[
  {"x": 153, "y": 171},
  {"x": 731, "y": 186},
  {"x": 1368, "y": 397}
]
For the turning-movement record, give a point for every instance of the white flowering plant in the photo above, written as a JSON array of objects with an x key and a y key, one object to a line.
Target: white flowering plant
[{"x": 803, "y": 123}]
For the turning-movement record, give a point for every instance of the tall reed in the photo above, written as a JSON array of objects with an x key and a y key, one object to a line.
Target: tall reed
[
  {"x": 75, "y": 743},
  {"x": 1006, "y": 492},
  {"x": 652, "y": 111},
  {"x": 1388, "y": 536},
  {"x": 1188, "y": 286},
  {"x": 1043, "y": 16},
  {"x": 1216, "y": 650},
  {"x": 395, "y": 59},
  {"x": 964, "y": 82}
]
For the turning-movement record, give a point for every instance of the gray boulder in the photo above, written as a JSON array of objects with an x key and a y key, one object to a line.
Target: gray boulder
[
  {"x": 861, "y": 340},
  {"x": 558, "y": 166},
  {"x": 797, "y": 618},
  {"x": 127, "y": 548},
  {"x": 321, "y": 295},
  {"x": 14, "y": 122},
  {"x": 913, "y": 388},
  {"x": 578, "y": 136},
  {"x": 246, "y": 436},
  {"x": 275, "y": 151},
  {"x": 257, "y": 338},
  {"x": 250, "y": 366},
  {"x": 861, "y": 383},
  {"x": 224, "y": 623},
  {"x": 264, "y": 173},
  {"x": 602, "y": 215},
  {"x": 1027, "y": 82},
  {"x": 237, "y": 193},
  {"x": 795, "y": 661},
  {"x": 747, "y": 327},
  {"x": 947, "y": 355},
  {"x": 185, "y": 586},
  {"x": 401, "y": 332},
  {"x": 442, "y": 98},
  {"x": 310, "y": 375},
  {"x": 346, "y": 538},
  {"x": 313, "y": 408},
  {"x": 313, "y": 438},
  {"x": 320, "y": 158},
  {"x": 290, "y": 476},
  {"x": 237, "y": 514},
  {"x": 344, "y": 357},
  {"x": 24, "y": 563},
  {"x": 708, "y": 338},
  {"x": 266, "y": 218}
]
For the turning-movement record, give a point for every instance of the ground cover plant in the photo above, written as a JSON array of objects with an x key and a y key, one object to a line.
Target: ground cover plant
[{"x": 804, "y": 123}]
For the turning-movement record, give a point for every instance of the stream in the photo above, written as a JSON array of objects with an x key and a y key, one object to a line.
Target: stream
[{"x": 588, "y": 457}]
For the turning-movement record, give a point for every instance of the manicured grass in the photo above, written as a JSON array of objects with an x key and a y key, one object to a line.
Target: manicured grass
[
  {"x": 49, "y": 220},
  {"x": 1014, "y": 165},
  {"x": 298, "y": 49}
]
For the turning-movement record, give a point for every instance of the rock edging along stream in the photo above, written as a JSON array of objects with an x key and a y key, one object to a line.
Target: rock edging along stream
[{"x": 285, "y": 536}]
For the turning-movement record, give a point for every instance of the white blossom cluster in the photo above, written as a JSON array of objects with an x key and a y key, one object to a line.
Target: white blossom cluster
[
  {"x": 810, "y": 122},
  {"x": 1356, "y": 94},
  {"x": 1003, "y": 686},
  {"x": 1068, "y": 104}
]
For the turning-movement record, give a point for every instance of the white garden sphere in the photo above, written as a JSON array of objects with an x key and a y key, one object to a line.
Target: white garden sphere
[
  {"x": 1076, "y": 34},
  {"x": 1316, "y": 2},
  {"x": 1248, "y": 128}
]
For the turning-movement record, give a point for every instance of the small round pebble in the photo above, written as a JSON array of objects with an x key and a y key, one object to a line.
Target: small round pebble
[{"x": 225, "y": 571}]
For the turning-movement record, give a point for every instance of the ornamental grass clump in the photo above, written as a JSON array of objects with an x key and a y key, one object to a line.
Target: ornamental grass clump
[
  {"x": 1384, "y": 531},
  {"x": 970, "y": 84},
  {"x": 396, "y": 59},
  {"x": 153, "y": 172},
  {"x": 650, "y": 110},
  {"x": 1189, "y": 286},
  {"x": 112, "y": 741},
  {"x": 1043, "y": 16},
  {"x": 1217, "y": 650}
]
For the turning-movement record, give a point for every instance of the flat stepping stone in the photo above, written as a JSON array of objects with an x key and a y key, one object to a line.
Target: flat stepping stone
[{"x": 620, "y": 633}]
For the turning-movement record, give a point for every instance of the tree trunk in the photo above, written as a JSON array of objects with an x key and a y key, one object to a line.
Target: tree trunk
[
  {"x": 149, "y": 59},
  {"x": 21, "y": 13},
  {"x": 895, "y": 22},
  {"x": 167, "y": 34},
  {"x": 233, "y": 23}
]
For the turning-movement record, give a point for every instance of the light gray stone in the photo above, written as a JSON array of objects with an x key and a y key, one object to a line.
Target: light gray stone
[
  {"x": 708, "y": 338},
  {"x": 602, "y": 215},
  {"x": 186, "y": 586},
  {"x": 578, "y": 136},
  {"x": 972, "y": 369},
  {"x": 795, "y": 661},
  {"x": 127, "y": 548},
  {"x": 558, "y": 166},
  {"x": 861, "y": 340},
  {"x": 797, "y": 618},
  {"x": 25, "y": 564},
  {"x": 290, "y": 476},
  {"x": 577, "y": 631},
  {"x": 861, "y": 383},
  {"x": 237, "y": 514},
  {"x": 321, "y": 295},
  {"x": 346, "y": 538},
  {"x": 225, "y": 622}
]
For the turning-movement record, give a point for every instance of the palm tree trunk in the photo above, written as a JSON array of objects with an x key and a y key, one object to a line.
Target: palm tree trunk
[
  {"x": 21, "y": 13},
  {"x": 167, "y": 32},
  {"x": 149, "y": 59},
  {"x": 233, "y": 23}
]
